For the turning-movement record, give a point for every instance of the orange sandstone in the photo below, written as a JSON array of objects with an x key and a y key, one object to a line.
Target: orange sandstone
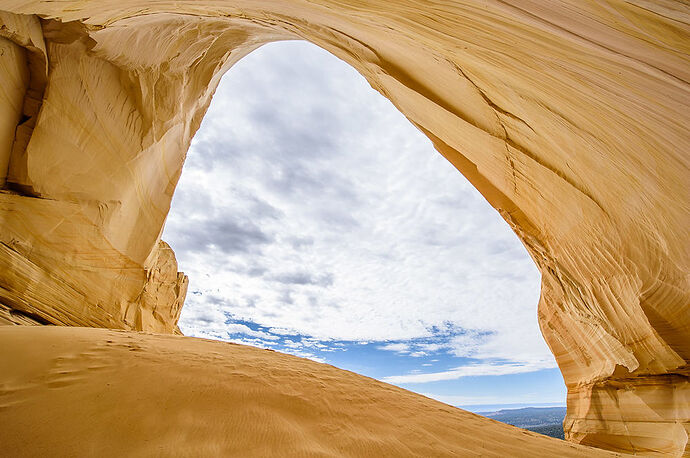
[{"x": 570, "y": 117}]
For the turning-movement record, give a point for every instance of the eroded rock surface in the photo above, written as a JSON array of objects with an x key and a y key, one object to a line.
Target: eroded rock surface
[{"x": 570, "y": 117}]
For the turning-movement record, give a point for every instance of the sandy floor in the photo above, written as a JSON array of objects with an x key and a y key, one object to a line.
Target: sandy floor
[{"x": 97, "y": 392}]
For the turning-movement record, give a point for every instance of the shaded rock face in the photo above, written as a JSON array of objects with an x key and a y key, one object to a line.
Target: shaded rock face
[{"x": 570, "y": 118}]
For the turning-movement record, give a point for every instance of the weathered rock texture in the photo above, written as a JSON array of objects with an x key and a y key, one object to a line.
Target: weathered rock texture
[{"x": 570, "y": 117}]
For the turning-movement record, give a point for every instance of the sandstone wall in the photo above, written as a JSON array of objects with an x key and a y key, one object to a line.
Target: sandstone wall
[{"x": 570, "y": 117}]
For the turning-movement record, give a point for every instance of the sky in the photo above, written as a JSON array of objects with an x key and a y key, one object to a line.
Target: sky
[{"x": 313, "y": 218}]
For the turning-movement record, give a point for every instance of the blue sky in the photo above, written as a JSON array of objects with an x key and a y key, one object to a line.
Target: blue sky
[{"x": 313, "y": 218}]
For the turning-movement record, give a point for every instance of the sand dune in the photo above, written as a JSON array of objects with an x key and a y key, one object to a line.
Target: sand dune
[{"x": 97, "y": 392}]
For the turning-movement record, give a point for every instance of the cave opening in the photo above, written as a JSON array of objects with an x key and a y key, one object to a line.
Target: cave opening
[{"x": 312, "y": 218}]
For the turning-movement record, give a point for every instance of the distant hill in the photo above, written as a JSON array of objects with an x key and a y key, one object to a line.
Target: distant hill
[
  {"x": 550, "y": 430},
  {"x": 542, "y": 420}
]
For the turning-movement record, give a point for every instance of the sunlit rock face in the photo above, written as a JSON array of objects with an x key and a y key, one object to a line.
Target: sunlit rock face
[{"x": 570, "y": 118}]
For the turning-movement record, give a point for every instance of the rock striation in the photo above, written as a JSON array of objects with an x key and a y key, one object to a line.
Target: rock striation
[{"x": 570, "y": 118}]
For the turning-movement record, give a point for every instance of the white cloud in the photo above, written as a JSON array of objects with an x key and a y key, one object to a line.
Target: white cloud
[
  {"x": 281, "y": 331},
  {"x": 235, "y": 328},
  {"x": 309, "y": 205},
  {"x": 431, "y": 346},
  {"x": 397, "y": 347},
  {"x": 470, "y": 371},
  {"x": 467, "y": 344}
]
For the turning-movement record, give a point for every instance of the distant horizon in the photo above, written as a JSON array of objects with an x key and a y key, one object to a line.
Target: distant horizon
[{"x": 484, "y": 408}]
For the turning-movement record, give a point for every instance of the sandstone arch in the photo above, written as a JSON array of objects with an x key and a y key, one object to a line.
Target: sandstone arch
[{"x": 571, "y": 119}]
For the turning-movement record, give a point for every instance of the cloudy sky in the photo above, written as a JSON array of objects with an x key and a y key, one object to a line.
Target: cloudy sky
[{"x": 313, "y": 218}]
